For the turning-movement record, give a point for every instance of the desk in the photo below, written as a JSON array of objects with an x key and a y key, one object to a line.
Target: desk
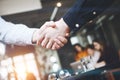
[{"x": 104, "y": 73}]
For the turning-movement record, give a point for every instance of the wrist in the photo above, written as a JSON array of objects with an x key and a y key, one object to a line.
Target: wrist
[
  {"x": 62, "y": 26},
  {"x": 34, "y": 37},
  {"x": 63, "y": 23}
]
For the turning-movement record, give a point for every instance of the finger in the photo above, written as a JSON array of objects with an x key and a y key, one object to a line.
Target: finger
[
  {"x": 44, "y": 42},
  {"x": 67, "y": 35},
  {"x": 55, "y": 46},
  {"x": 41, "y": 31},
  {"x": 51, "y": 24},
  {"x": 47, "y": 24},
  {"x": 62, "y": 39},
  {"x": 49, "y": 45},
  {"x": 59, "y": 42},
  {"x": 40, "y": 38}
]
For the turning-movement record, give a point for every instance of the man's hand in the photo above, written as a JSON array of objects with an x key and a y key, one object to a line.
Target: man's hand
[
  {"x": 56, "y": 38},
  {"x": 64, "y": 30},
  {"x": 52, "y": 35},
  {"x": 38, "y": 35}
]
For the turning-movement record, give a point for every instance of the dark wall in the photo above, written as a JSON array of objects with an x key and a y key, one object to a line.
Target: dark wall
[{"x": 66, "y": 55}]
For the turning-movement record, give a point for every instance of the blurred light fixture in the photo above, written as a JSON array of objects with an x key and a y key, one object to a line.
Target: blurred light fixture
[
  {"x": 2, "y": 49},
  {"x": 59, "y": 4},
  {"x": 77, "y": 25},
  {"x": 90, "y": 21},
  {"x": 74, "y": 40},
  {"x": 52, "y": 76},
  {"x": 111, "y": 17},
  {"x": 89, "y": 39},
  {"x": 64, "y": 73},
  {"x": 53, "y": 59},
  {"x": 84, "y": 31},
  {"x": 55, "y": 67},
  {"x": 3, "y": 73},
  {"x": 94, "y": 13},
  {"x": 101, "y": 19},
  {"x": 55, "y": 11}
]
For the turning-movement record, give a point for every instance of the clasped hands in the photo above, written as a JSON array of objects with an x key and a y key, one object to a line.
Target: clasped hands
[{"x": 52, "y": 35}]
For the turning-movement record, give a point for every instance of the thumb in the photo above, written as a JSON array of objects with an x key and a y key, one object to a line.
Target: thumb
[
  {"x": 67, "y": 34},
  {"x": 46, "y": 25},
  {"x": 51, "y": 24}
]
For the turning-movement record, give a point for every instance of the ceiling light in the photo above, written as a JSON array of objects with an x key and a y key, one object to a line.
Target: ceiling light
[{"x": 59, "y": 4}]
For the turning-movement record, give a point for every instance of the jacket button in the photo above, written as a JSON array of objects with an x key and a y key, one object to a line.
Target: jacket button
[
  {"x": 77, "y": 25},
  {"x": 94, "y": 13}
]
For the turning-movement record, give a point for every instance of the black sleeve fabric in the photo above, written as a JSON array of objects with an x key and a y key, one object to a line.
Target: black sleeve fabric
[{"x": 84, "y": 11}]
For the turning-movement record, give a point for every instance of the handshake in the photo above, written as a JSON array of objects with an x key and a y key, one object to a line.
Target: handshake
[{"x": 52, "y": 35}]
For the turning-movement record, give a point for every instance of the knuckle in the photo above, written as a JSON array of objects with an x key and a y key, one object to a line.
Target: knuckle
[
  {"x": 51, "y": 21},
  {"x": 46, "y": 23}
]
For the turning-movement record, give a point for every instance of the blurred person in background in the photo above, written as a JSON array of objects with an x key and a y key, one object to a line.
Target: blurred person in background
[
  {"x": 80, "y": 52},
  {"x": 93, "y": 55},
  {"x": 30, "y": 76},
  {"x": 107, "y": 52},
  {"x": 99, "y": 46}
]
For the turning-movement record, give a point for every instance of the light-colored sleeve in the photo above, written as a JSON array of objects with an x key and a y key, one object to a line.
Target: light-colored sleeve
[
  {"x": 95, "y": 57},
  {"x": 18, "y": 34}
]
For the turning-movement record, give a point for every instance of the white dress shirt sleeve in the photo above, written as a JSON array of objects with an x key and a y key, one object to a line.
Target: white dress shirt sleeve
[
  {"x": 95, "y": 57},
  {"x": 18, "y": 34}
]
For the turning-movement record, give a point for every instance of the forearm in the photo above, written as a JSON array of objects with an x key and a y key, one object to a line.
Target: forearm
[
  {"x": 72, "y": 14},
  {"x": 100, "y": 64},
  {"x": 62, "y": 27},
  {"x": 84, "y": 11},
  {"x": 16, "y": 33},
  {"x": 96, "y": 57},
  {"x": 20, "y": 35}
]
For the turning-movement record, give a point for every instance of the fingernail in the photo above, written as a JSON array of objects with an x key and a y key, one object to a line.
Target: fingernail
[
  {"x": 58, "y": 47},
  {"x": 42, "y": 45},
  {"x": 47, "y": 47},
  {"x": 53, "y": 48}
]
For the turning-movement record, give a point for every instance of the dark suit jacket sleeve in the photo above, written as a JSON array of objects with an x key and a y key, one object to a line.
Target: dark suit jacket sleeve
[{"x": 84, "y": 11}]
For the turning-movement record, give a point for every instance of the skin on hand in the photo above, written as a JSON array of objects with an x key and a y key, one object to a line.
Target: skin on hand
[
  {"x": 64, "y": 29},
  {"x": 38, "y": 35},
  {"x": 59, "y": 42},
  {"x": 34, "y": 37},
  {"x": 52, "y": 35},
  {"x": 58, "y": 37}
]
